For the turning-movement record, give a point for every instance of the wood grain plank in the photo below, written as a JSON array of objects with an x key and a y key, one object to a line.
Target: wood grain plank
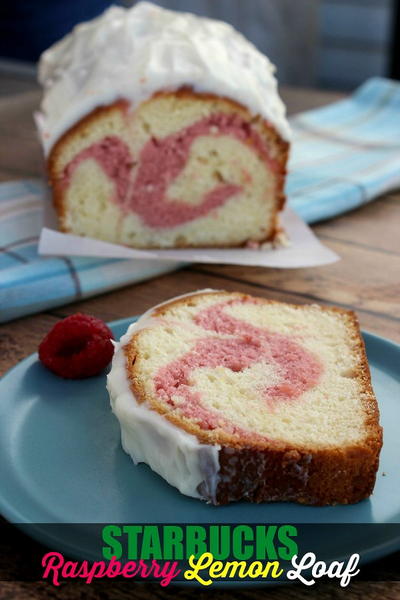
[
  {"x": 12, "y": 85},
  {"x": 16, "y": 115},
  {"x": 20, "y": 338},
  {"x": 375, "y": 225},
  {"x": 21, "y": 156},
  {"x": 362, "y": 280},
  {"x": 136, "y": 299},
  {"x": 392, "y": 197}
]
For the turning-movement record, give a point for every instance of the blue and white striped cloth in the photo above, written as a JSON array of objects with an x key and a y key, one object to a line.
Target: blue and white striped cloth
[
  {"x": 342, "y": 156},
  {"x": 31, "y": 283},
  {"x": 347, "y": 153}
]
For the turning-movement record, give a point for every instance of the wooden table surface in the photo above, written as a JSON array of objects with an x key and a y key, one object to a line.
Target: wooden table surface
[{"x": 365, "y": 280}]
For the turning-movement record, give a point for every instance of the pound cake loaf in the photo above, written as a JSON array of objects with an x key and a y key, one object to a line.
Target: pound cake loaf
[
  {"x": 163, "y": 130},
  {"x": 230, "y": 397}
]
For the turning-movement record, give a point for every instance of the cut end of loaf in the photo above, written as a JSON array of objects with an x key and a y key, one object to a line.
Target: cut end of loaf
[{"x": 182, "y": 170}]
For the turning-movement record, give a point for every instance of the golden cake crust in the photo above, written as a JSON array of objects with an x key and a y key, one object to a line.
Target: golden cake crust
[
  {"x": 56, "y": 153},
  {"x": 279, "y": 146},
  {"x": 265, "y": 471}
]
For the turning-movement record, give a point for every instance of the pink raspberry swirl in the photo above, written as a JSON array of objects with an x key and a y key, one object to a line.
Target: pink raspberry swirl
[
  {"x": 159, "y": 163},
  {"x": 298, "y": 368}
]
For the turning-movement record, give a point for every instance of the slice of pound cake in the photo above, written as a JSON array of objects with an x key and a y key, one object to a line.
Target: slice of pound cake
[
  {"x": 231, "y": 397},
  {"x": 162, "y": 130}
]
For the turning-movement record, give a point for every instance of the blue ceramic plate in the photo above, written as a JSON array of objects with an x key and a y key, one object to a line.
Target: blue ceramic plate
[{"x": 61, "y": 461}]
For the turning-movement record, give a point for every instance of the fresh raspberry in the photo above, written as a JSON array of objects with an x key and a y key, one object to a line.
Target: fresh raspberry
[{"x": 77, "y": 347}]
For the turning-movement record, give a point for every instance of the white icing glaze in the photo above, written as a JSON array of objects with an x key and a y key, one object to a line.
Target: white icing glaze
[
  {"x": 132, "y": 53},
  {"x": 148, "y": 437}
]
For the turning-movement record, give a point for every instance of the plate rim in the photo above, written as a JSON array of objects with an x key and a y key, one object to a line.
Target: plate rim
[{"x": 13, "y": 516}]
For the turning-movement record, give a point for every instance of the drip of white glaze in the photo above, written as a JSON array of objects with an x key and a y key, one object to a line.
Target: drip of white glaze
[{"x": 148, "y": 437}]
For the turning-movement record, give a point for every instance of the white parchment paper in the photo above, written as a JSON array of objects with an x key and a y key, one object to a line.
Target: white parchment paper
[{"x": 304, "y": 249}]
